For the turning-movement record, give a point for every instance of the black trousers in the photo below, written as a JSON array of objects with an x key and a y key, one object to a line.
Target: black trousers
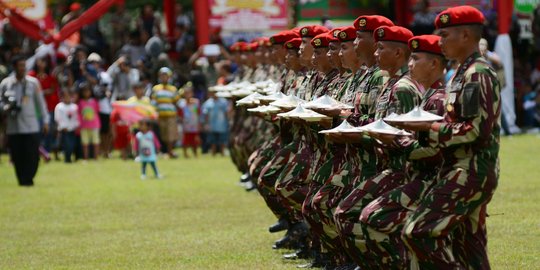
[{"x": 24, "y": 151}]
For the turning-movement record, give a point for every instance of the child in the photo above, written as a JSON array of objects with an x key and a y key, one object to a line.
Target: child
[
  {"x": 67, "y": 121},
  {"x": 146, "y": 145},
  {"x": 189, "y": 114},
  {"x": 121, "y": 134},
  {"x": 215, "y": 116},
  {"x": 89, "y": 120}
]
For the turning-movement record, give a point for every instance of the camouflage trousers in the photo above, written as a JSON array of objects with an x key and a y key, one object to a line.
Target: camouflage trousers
[
  {"x": 263, "y": 155},
  {"x": 456, "y": 202},
  {"x": 292, "y": 184},
  {"x": 335, "y": 175},
  {"x": 383, "y": 219},
  {"x": 269, "y": 176},
  {"x": 348, "y": 212}
]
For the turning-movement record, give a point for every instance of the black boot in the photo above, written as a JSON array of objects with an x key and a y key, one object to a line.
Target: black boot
[
  {"x": 245, "y": 178},
  {"x": 321, "y": 260},
  {"x": 302, "y": 253},
  {"x": 284, "y": 242},
  {"x": 281, "y": 225}
]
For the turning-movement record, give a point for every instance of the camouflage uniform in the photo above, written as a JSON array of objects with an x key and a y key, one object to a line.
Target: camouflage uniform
[
  {"x": 294, "y": 179},
  {"x": 469, "y": 140},
  {"x": 290, "y": 137},
  {"x": 400, "y": 94},
  {"x": 382, "y": 219}
]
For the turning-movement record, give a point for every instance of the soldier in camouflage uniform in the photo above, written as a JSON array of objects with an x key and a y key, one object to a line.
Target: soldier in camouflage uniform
[
  {"x": 265, "y": 185},
  {"x": 293, "y": 137},
  {"x": 366, "y": 84},
  {"x": 469, "y": 140},
  {"x": 383, "y": 219},
  {"x": 400, "y": 94}
]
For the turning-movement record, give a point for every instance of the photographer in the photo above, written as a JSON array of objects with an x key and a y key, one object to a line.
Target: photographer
[{"x": 22, "y": 103}]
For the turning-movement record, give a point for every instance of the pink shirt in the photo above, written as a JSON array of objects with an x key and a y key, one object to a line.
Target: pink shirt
[{"x": 88, "y": 114}]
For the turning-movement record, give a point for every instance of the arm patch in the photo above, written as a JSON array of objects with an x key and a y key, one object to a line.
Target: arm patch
[{"x": 471, "y": 100}]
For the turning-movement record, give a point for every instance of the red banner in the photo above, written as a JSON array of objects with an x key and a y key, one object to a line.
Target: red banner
[{"x": 249, "y": 15}]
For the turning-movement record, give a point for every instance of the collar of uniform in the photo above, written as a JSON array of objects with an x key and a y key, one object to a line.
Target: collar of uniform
[
  {"x": 402, "y": 71},
  {"x": 466, "y": 64},
  {"x": 437, "y": 84}
]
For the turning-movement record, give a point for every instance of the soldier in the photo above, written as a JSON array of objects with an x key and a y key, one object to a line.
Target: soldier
[
  {"x": 399, "y": 94},
  {"x": 266, "y": 185},
  {"x": 287, "y": 159},
  {"x": 329, "y": 195},
  {"x": 469, "y": 139},
  {"x": 383, "y": 219}
]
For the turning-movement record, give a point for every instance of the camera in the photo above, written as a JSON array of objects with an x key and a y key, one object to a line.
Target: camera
[{"x": 9, "y": 104}]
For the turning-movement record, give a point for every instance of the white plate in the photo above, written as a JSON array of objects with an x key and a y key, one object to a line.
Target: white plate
[{"x": 415, "y": 115}]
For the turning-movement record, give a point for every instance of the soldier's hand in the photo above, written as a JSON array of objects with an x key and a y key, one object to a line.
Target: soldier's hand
[
  {"x": 414, "y": 126},
  {"x": 386, "y": 139}
]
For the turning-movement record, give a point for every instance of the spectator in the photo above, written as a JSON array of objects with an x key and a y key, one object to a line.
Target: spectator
[
  {"x": 121, "y": 134},
  {"x": 149, "y": 21},
  {"x": 215, "y": 118},
  {"x": 134, "y": 50},
  {"x": 164, "y": 97},
  {"x": 146, "y": 145},
  {"x": 423, "y": 19},
  {"x": 102, "y": 92},
  {"x": 89, "y": 121},
  {"x": 67, "y": 120},
  {"x": 123, "y": 78},
  {"x": 189, "y": 115},
  {"x": 42, "y": 72},
  {"x": 23, "y": 103},
  {"x": 139, "y": 89}
]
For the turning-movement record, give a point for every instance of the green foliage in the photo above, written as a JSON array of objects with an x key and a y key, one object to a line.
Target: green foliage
[{"x": 99, "y": 215}]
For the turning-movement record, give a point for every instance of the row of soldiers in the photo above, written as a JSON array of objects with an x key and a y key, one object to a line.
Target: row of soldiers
[{"x": 371, "y": 200}]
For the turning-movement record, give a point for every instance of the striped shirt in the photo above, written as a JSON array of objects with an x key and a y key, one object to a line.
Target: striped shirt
[{"x": 164, "y": 98}]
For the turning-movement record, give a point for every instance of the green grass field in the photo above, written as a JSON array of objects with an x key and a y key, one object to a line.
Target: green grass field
[{"x": 101, "y": 216}]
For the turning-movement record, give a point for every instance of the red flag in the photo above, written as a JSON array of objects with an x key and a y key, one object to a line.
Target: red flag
[
  {"x": 88, "y": 17},
  {"x": 21, "y": 23}
]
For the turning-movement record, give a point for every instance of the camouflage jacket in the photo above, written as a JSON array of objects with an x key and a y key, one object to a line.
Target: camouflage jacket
[
  {"x": 469, "y": 134},
  {"x": 368, "y": 88}
]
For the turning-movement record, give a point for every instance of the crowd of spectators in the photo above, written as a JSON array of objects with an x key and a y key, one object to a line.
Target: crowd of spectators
[{"x": 126, "y": 55}]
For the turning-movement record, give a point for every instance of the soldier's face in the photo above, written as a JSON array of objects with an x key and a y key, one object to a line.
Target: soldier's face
[
  {"x": 385, "y": 55},
  {"x": 364, "y": 44},
  {"x": 291, "y": 59},
  {"x": 347, "y": 54},
  {"x": 451, "y": 42},
  {"x": 420, "y": 64},
  {"x": 319, "y": 60},
  {"x": 333, "y": 54},
  {"x": 306, "y": 51}
]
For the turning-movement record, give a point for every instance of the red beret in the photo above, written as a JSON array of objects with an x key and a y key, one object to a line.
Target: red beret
[
  {"x": 237, "y": 46},
  {"x": 334, "y": 34},
  {"x": 263, "y": 42},
  {"x": 283, "y": 37},
  {"x": 293, "y": 44},
  {"x": 392, "y": 33},
  {"x": 368, "y": 23},
  {"x": 460, "y": 15},
  {"x": 312, "y": 30},
  {"x": 251, "y": 47},
  {"x": 321, "y": 40},
  {"x": 425, "y": 43},
  {"x": 347, "y": 34}
]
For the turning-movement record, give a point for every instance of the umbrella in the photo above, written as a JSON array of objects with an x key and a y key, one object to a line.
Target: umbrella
[{"x": 133, "y": 112}]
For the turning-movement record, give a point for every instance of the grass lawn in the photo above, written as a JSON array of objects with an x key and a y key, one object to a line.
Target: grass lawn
[{"x": 99, "y": 215}]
